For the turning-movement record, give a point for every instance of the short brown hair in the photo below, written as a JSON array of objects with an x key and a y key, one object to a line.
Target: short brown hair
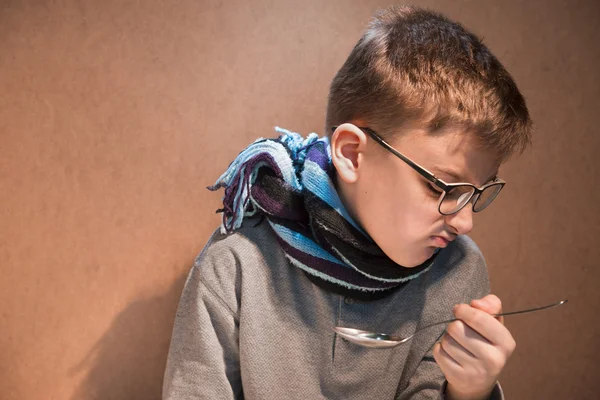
[{"x": 414, "y": 65}]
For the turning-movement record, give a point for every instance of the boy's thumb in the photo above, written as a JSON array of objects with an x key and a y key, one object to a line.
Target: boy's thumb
[
  {"x": 487, "y": 305},
  {"x": 490, "y": 304}
]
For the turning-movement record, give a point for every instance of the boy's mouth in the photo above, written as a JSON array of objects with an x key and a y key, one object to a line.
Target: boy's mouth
[{"x": 440, "y": 241}]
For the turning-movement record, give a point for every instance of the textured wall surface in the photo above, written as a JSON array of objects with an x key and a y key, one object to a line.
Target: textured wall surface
[{"x": 115, "y": 115}]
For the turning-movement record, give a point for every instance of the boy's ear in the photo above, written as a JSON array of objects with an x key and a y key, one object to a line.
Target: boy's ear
[{"x": 348, "y": 144}]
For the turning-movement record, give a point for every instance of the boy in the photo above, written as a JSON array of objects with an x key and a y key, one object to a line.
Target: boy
[{"x": 363, "y": 228}]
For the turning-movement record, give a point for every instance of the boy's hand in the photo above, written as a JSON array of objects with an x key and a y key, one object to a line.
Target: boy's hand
[{"x": 474, "y": 350}]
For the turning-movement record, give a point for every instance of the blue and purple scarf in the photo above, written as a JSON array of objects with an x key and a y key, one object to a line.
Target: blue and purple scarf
[{"x": 290, "y": 181}]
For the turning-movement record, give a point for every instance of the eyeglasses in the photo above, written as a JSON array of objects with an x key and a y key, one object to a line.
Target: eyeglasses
[{"x": 453, "y": 196}]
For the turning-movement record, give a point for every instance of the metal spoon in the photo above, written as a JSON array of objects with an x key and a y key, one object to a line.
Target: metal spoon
[{"x": 382, "y": 340}]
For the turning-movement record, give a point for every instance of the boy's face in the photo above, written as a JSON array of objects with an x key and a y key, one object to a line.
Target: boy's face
[{"x": 395, "y": 204}]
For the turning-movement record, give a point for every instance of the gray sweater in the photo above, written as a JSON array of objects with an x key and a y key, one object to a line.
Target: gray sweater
[{"x": 252, "y": 326}]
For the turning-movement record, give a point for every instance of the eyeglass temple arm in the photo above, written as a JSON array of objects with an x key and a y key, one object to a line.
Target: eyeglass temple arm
[{"x": 422, "y": 171}]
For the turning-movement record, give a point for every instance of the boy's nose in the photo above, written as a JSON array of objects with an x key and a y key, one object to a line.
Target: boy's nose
[{"x": 462, "y": 221}]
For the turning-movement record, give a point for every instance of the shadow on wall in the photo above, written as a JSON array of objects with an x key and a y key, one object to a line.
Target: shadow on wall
[{"x": 128, "y": 362}]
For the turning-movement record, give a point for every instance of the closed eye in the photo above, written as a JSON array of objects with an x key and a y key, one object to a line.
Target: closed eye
[{"x": 433, "y": 190}]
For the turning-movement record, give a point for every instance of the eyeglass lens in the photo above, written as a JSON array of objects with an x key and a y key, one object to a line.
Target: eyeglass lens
[{"x": 458, "y": 196}]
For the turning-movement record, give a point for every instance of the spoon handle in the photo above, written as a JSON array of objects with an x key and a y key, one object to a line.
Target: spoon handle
[
  {"x": 532, "y": 309},
  {"x": 503, "y": 314}
]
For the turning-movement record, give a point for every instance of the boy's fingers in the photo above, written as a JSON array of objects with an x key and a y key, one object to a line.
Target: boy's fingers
[
  {"x": 468, "y": 338},
  {"x": 482, "y": 322},
  {"x": 444, "y": 360},
  {"x": 456, "y": 350}
]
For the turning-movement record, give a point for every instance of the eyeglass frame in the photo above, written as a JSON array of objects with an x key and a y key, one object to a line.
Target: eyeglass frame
[{"x": 445, "y": 187}]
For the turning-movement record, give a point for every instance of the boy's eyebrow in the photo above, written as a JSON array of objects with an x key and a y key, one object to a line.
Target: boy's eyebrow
[
  {"x": 457, "y": 178},
  {"x": 447, "y": 172},
  {"x": 493, "y": 177}
]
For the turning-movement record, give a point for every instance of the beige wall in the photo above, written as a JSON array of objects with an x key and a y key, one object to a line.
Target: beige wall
[{"x": 115, "y": 115}]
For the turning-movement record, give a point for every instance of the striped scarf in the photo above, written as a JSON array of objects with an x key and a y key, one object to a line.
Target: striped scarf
[{"x": 290, "y": 181}]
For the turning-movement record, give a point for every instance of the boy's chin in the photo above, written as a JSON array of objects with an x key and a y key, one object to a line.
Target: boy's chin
[{"x": 414, "y": 260}]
